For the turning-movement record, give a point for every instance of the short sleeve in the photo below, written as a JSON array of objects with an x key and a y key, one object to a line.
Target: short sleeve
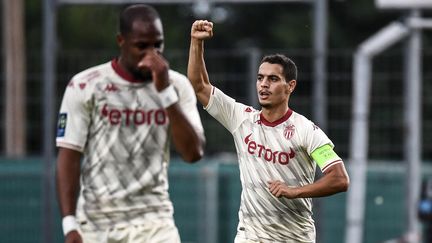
[
  {"x": 73, "y": 118},
  {"x": 187, "y": 100},
  {"x": 314, "y": 137},
  {"x": 225, "y": 110}
]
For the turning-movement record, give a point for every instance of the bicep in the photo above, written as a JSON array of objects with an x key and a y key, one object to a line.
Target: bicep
[
  {"x": 338, "y": 177},
  {"x": 336, "y": 170},
  {"x": 203, "y": 94},
  {"x": 68, "y": 161}
]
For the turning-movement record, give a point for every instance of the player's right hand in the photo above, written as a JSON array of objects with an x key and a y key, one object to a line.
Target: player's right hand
[
  {"x": 73, "y": 237},
  {"x": 158, "y": 66},
  {"x": 202, "y": 29}
]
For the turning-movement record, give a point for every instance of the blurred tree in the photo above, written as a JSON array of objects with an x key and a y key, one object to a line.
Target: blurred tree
[
  {"x": 87, "y": 26},
  {"x": 272, "y": 25}
]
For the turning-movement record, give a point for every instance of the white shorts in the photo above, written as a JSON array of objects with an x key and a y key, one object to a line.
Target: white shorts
[
  {"x": 154, "y": 231},
  {"x": 241, "y": 239}
]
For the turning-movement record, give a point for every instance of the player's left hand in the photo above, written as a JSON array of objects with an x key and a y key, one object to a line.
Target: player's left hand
[
  {"x": 202, "y": 29},
  {"x": 280, "y": 189},
  {"x": 158, "y": 66}
]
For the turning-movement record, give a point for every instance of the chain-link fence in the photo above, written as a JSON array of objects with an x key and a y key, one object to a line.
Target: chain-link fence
[{"x": 232, "y": 72}]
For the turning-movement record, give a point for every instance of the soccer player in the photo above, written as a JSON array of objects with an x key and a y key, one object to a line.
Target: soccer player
[
  {"x": 277, "y": 149},
  {"x": 120, "y": 117}
]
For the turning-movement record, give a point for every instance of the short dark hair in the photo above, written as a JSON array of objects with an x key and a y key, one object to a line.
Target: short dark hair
[
  {"x": 289, "y": 67},
  {"x": 141, "y": 12}
]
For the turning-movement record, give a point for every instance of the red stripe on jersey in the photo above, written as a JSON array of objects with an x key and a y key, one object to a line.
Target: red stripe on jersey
[
  {"x": 122, "y": 73},
  {"x": 278, "y": 121},
  {"x": 331, "y": 164}
]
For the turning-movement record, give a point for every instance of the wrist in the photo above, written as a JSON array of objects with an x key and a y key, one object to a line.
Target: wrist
[
  {"x": 168, "y": 96},
  {"x": 196, "y": 41},
  {"x": 69, "y": 223}
]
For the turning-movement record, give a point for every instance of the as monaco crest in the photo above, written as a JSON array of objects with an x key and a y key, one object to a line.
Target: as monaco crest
[{"x": 289, "y": 131}]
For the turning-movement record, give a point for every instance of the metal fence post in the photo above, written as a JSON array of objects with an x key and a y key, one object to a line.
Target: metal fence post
[
  {"x": 49, "y": 57},
  {"x": 209, "y": 221}
]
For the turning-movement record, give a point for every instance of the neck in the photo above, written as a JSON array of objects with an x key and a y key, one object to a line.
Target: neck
[
  {"x": 126, "y": 74},
  {"x": 122, "y": 65}
]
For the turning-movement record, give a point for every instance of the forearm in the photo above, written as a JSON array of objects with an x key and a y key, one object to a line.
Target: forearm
[
  {"x": 197, "y": 71},
  {"x": 325, "y": 186},
  {"x": 335, "y": 180},
  {"x": 67, "y": 177},
  {"x": 188, "y": 143}
]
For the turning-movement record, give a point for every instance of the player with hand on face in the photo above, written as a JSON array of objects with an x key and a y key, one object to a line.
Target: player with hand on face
[
  {"x": 278, "y": 149},
  {"x": 119, "y": 117}
]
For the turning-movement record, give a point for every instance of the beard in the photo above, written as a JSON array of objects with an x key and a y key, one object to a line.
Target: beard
[
  {"x": 142, "y": 75},
  {"x": 265, "y": 105}
]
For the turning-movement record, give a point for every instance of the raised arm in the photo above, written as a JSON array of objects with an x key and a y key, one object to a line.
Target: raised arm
[{"x": 197, "y": 72}]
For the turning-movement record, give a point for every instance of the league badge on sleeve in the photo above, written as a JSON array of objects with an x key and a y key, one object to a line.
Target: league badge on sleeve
[{"x": 61, "y": 124}]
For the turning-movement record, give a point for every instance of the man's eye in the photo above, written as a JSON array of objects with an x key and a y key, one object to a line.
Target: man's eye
[
  {"x": 158, "y": 45},
  {"x": 142, "y": 45}
]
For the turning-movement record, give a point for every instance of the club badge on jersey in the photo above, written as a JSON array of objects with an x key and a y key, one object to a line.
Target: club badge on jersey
[
  {"x": 61, "y": 124},
  {"x": 289, "y": 131}
]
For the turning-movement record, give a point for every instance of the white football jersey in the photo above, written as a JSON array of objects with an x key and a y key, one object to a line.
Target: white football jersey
[
  {"x": 267, "y": 151},
  {"x": 123, "y": 131}
]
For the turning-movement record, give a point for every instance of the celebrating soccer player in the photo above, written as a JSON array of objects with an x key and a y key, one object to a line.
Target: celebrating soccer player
[{"x": 278, "y": 149}]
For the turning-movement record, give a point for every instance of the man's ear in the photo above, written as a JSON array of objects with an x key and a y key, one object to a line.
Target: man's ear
[
  {"x": 291, "y": 85},
  {"x": 120, "y": 40}
]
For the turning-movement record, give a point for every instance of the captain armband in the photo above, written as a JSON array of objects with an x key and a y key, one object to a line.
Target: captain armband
[
  {"x": 168, "y": 96},
  {"x": 325, "y": 156}
]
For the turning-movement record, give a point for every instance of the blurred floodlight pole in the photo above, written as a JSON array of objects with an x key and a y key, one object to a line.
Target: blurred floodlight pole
[
  {"x": 319, "y": 92},
  {"x": 254, "y": 57},
  {"x": 15, "y": 75},
  {"x": 319, "y": 87},
  {"x": 201, "y": 8},
  {"x": 49, "y": 101},
  {"x": 412, "y": 127},
  {"x": 362, "y": 75}
]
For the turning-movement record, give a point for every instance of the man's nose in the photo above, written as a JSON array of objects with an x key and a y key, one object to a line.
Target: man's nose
[{"x": 264, "y": 82}]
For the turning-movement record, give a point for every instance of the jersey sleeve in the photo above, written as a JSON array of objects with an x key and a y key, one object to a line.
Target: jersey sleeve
[
  {"x": 225, "y": 109},
  {"x": 188, "y": 101},
  {"x": 319, "y": 146},
  {"x": 73, "y": 118}
]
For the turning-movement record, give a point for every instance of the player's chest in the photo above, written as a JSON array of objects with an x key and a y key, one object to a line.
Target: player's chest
[
  {"x": 279, "y": 143},
  {"x": 126, "y": 96},
  {"x": 121, "y": 105}
]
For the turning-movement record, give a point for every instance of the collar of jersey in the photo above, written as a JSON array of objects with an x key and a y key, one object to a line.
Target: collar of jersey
[
  {"x": 122, "y": 73},
  {"x": 278, "y": 121}
]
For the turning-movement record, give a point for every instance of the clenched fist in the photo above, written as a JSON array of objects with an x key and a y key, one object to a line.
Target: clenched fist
[{"x": 202, "y": 29}]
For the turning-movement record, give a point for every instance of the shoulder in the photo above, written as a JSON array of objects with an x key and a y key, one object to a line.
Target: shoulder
[
  {"x": 249, "y": 110},
  {"x": 181, "y": 83},
  {"x": 90, "y": 76},
  {"x": 94, "y": 72},
  {"x": 82, "y": 84},
  {"x": 177, "y": 78},
  {"x": 302, "y": 122}
]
